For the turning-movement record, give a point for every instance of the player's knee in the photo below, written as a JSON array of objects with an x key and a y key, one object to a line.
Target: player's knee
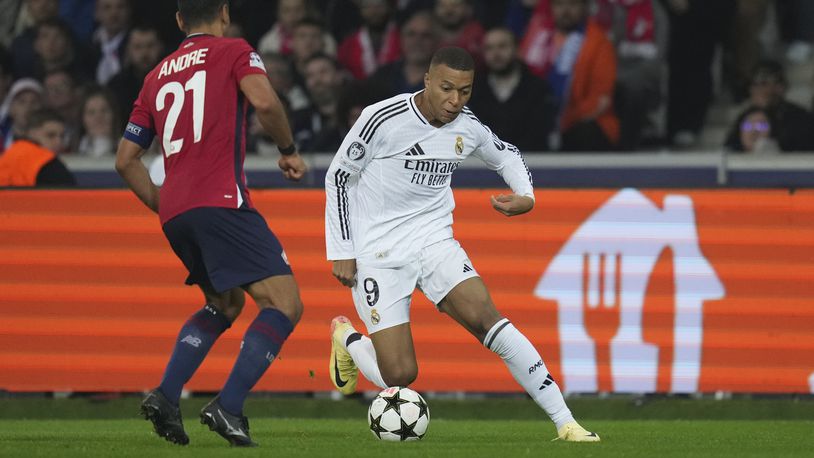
[
  {"x": 482, "y": 321},
  {"x": 231, "y": 310},
  {"x": 291, "y": 308},
  {"x": 400, "y": 375}
]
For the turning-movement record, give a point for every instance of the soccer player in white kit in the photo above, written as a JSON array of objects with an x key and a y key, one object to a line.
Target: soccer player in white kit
[{"x": 388, "y": 230}]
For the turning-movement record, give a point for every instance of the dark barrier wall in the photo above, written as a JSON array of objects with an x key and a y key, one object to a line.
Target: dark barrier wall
[{"x": 621, "y": 290}]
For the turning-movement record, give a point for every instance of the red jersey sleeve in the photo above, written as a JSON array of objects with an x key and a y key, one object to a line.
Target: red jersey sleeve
[
  {"x": 140, "y": 128},
  {"x": 248, "y": 62}
]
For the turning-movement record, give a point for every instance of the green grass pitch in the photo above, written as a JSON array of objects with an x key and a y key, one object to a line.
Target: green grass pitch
[{"x": 500, "y": 428}]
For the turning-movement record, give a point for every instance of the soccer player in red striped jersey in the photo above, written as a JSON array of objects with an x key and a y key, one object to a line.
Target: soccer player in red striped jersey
[{"x": 194, "y": 103}]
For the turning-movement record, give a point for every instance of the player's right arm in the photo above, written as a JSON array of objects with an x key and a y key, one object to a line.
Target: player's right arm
[
  {"x": 271, "y": 114},
  {"x": 135, "y": 174},
  {"x": 137, "y": 138},
  {"x": 352, "y": 157}
]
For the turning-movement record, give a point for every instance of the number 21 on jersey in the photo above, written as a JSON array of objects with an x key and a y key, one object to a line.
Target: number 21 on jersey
[{"x": 197, "y": 85}]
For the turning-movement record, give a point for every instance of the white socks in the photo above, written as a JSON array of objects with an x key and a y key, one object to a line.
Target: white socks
[
  {"x": 364, "y": 355},
  {"x": 527, "y": 367}
]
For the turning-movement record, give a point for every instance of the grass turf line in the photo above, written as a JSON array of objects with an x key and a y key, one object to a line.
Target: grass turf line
[
  {"x": 628, "y": 408},
  {"x": 446, "y": 438}
]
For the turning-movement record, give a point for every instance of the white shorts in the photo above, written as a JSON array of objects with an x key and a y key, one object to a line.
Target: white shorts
[{"x": 382, "y": 295}]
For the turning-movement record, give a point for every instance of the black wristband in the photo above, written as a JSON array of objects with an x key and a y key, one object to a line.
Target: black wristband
[{"x": 289, "y": 150}]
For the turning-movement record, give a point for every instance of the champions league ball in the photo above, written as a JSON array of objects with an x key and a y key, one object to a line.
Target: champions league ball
[{"x": 398, "y": 414}]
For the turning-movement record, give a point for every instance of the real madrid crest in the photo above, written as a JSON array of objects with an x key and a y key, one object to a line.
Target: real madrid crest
[
  {"x": 374, "y": 316},
  {"x": 459, "y": 145}
]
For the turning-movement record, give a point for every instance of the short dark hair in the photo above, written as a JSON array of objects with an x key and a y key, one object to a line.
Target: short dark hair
[
  {"x": 197, "y": 12},
  {"x": 453, "y": 57},
  {"x": 310, "y": 21},
  {"x": 323, "y": 56},
  {"x": 38, "y": 118},
  {"x": 60, "y": 25},
  {"x": 504, "y": 29}
]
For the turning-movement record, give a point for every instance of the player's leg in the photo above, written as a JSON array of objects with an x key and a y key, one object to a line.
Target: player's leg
[
  {"x": 200, "y": 331},
  {"x": 386, "y": 358},
  {"x": 469, "y": 304},
  {"x": 197, "y": 335},
  {"x": 240, "y": 251},
  {"x": 280, "y": 307},
  {"x": 451, "y": 282},
  {"x": 396, "y": 367}
]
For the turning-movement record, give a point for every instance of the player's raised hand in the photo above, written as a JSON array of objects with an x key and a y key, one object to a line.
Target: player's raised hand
[
  {"x": 293, "y": 166},
  {"x": 345, "y": 271},
  {"x": 512, "y": 204}
]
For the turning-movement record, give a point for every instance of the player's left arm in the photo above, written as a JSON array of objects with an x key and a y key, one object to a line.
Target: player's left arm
[
  {"x": 506, "y": 160},
  {"x": 254, "y": 83},
  {"x": 135, "y": 174},
  {"x": 272, "y": 117}
]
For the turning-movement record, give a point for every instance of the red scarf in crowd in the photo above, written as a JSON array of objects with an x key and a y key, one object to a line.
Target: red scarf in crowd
[{"x": 357, "y": 55}]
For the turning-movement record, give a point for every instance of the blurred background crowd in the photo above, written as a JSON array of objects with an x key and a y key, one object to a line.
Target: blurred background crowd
[{"x": 553, "y": 75}]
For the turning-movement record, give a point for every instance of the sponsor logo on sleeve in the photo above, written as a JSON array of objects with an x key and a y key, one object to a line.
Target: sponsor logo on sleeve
[
  {"x": 356, "y": 151},
  {"x": 256, "y": 61}
]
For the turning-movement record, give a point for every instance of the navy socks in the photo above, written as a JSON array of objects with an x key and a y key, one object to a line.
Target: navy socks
[
  {"x": 197, "y": 336},
  {"x": 261, "y": 344}
]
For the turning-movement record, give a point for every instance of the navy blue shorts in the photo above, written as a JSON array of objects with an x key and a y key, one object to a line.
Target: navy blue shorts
[{"x": 223, "y": 248}]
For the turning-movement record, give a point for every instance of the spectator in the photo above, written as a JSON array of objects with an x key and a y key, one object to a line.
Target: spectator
[
  {"x": 791, "y": 124},
  {"x": 696, "y": 28},
  {"x": 101, "y": 127},
  {"x": 32, "y": 159},
  {"x": 316, "y": 129},
  {"x": 743, "y": 44},
  {"x": 797, "y": 17},
  {"x": 292, "y": 95},
  {"x": 80, "y": 15},
  {"x": 573, "y": 53},
  {"x": 419, "y": 40},
  {"x": 144, "y": 51},
  {"x": 281, "y": 75},
  {"x": 509, "y": 99},
  {"x": 754, "y": 133},
  {"x": 308, "y": 40},
  {"x": 161, "y": 15},
  {"x": 280, "y": 38},
  {"x": 61, "y": 96},
  {"x": 55, "y": 49},
  {"x": 8, "y": 20},
  {"x": 458, "y": 27},
  {"x": 110, "y": 38},
  {"x": 518, "y": 14},
  {"x": 24, "y": 97},
  {"x": 633, "y": 26},
  {"x": 22, "y": 48},
  {"x": 374, "y": 44},
  {"x": 353, "y": 98}
]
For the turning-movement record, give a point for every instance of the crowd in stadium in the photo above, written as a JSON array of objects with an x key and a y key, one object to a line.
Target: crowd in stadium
[{"x": 554, "y": 75}]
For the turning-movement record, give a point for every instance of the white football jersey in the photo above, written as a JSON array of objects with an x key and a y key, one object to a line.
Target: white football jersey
[{"x": 388, "y": 187}]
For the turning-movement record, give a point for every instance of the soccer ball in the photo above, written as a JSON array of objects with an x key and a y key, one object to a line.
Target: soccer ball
[{"x": 398, "y": 414}]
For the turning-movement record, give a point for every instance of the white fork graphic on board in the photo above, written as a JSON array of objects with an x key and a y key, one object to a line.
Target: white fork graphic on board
[{"x": 632, "y": 231}]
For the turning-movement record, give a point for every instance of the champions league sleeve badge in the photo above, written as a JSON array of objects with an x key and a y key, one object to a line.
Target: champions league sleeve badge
[
  {"x": 356, "y": 151},
  {"x": 459, "y": 145}
]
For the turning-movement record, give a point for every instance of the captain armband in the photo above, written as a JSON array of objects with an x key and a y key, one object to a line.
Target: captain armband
[{"x": 141, "y": 136}]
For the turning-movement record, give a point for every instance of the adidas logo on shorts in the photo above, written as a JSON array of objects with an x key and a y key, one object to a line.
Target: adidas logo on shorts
[{"x": 467, "y": 268}]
